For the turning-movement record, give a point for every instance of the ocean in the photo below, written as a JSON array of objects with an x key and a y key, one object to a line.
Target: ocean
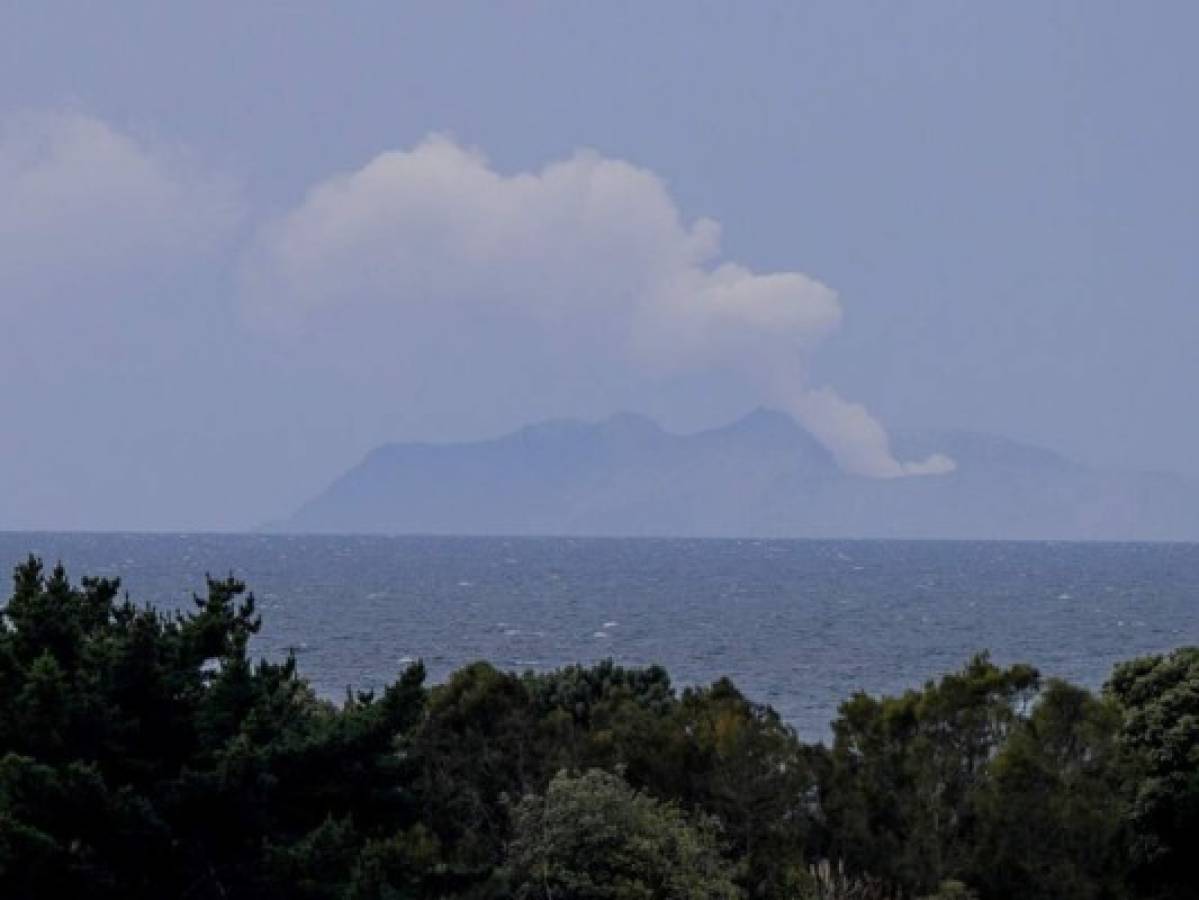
[{"x": 800, "y": 625}]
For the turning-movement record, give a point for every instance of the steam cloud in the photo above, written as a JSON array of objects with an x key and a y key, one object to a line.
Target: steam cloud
[
  {"x": 430, "y": 255},
  {"x": 84, "y": 203}
]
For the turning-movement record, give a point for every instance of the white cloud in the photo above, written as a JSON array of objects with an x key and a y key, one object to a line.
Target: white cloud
[
  {"x": 81, "y": 202},
  {"x": 459, "y": 284}
]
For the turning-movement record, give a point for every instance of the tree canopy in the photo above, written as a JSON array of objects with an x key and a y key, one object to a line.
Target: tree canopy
[{"x": 145, "y": 754}]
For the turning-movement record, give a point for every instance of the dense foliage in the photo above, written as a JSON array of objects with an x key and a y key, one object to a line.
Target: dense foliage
[{"x": 144, "y": 755}]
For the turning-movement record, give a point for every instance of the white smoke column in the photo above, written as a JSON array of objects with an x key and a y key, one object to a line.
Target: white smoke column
[
  {"x": 577, "y": 284},
  {"x": 855, "y": 437}
]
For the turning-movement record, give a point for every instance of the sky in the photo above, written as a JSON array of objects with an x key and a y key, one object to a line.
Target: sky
[{"x": 242, "y": 244}]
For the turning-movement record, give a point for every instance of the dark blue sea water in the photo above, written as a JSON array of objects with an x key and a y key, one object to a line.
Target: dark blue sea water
[{"x": 797, "y": 624}]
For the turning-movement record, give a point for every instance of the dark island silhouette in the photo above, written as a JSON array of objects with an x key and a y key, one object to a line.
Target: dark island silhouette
[{"x": 760, "y": 476}]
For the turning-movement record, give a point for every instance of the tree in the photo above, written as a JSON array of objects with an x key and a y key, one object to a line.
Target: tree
[
  {"x": 1159, "y": 696},
  {"x": 898, "y": 786},
  {"x": 144, "y": 755},
  {"x": 1050, "y": 814},
  {"x": 739, "y": 762},
  {"x": 476, "y": 746},
  {"x": 592, "y": 837}
]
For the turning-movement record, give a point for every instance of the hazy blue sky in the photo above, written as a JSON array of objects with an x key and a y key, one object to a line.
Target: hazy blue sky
[{"x": 240, "y": 244}]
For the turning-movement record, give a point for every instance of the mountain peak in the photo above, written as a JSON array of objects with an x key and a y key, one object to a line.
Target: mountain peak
[
  {"x": 761, "y": 475},
  {"x": 631, "y": 423},
  {"x": 763, "y": 420}
]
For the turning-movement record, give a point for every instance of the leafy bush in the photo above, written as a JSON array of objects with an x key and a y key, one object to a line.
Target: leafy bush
[{"x": 592, "y": 837}]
